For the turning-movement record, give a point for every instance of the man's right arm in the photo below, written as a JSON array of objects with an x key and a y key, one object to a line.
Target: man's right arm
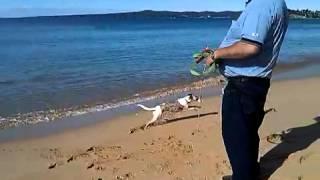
[{"x": 238, "y": 51}]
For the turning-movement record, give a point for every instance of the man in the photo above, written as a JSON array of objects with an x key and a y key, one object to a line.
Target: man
[{"x": 246, "y": 58}]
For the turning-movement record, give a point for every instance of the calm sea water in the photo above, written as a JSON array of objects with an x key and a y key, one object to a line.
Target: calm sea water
[{"x": 64, "y": 63}]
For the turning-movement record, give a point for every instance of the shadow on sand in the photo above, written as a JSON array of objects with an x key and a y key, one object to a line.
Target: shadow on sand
[
  {"x": 295, "y": 140},
  {"x": 162, "y": 122}
]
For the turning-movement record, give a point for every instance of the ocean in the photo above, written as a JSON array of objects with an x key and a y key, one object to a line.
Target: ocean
[{"x": 51, "y": 67}]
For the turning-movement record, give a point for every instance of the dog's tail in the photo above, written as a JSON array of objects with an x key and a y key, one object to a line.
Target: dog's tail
[{"x": 146, "y": 108}]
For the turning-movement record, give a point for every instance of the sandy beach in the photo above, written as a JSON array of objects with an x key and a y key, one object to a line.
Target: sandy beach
[{"x": 187, "y": 147}]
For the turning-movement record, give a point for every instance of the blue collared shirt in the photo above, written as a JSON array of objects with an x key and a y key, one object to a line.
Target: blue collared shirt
[{"x": 264, "y": 22}]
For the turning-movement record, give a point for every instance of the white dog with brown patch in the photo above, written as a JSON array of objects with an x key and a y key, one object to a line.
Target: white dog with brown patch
[{"x": 178, "y": 106}]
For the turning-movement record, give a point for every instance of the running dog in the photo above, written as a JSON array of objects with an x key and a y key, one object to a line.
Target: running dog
[{"x": 178, "y": 106}]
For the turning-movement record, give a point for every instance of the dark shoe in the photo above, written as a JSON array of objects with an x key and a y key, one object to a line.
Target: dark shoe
[{"x": 227, "y": 178}]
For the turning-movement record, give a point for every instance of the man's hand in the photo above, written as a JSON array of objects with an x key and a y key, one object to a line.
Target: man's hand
[
  {"x": 209, "y": 57},
  {"x": 209, "y": 60},
  {"x": 238, "y": 51}
]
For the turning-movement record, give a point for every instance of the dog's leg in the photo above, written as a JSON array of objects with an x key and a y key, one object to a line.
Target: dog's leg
[
  {"x": 150, "y": 122},
  {"x": 156, "y": 115},
  {"x": 195, "y": 109}
]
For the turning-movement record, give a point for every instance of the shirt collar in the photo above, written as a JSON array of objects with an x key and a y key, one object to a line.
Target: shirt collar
[{"x": 248, "y": 1}]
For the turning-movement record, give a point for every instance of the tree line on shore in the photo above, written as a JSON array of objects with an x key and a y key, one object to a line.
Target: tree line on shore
[{"x": 305, "y": 13}]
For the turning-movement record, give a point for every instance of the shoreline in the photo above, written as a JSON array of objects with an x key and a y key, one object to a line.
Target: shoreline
[
  {"x": 94, "y": 115},
  {"x": 187, "y": 148},
  {"x": 162, "y": 94},
  {"x": 92, "y": 118}
]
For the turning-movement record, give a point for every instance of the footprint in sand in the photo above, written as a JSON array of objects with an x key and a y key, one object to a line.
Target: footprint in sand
[
  {"x": 77, "y": 156},
  {"x": 219, "y": 169},
  {"x": 125, "y": 176},
  {"x": 52, "y": 166},
  {"x": 196, "y": 131},
  {"x": 95, "y": 149},
  {"x": 178, "y": 178},
  {"x": 91, "y": 165},
  {"x": 55, "y": 157},
  {"x": 70, "y": 159},
  {"x": 98, "y": 154},
  {"x": 125, "y": 156},
  {"x": 305, "y": 157},
  {"x": 171, "y": 172},
  {"x": 100, "y": 168},
  {"x": 56, "y": 164},
  {"x": 52, "y": 154},
  {"x": 170, "y": 145},
  {"x": 115, "y": 170}
]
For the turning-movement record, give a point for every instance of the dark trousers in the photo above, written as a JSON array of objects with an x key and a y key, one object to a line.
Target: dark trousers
[{"x": 242, "y": 114}]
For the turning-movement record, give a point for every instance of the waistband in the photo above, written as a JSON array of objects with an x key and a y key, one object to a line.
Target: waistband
[{"x": 248, "y": 79}]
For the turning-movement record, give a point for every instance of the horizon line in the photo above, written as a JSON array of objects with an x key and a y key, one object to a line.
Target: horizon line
[
  {"x": 123, "y": 12},
  {"x": 110, "y": 13}
]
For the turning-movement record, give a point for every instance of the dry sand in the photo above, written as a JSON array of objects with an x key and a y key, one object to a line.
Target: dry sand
[{"x": 187, "y": 147}]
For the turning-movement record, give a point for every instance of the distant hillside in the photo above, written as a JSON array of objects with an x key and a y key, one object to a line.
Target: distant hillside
[
  {"x": 305, "y": 13},
  {"x": 186, "y": 14},
  {"x": 149, "y": 14}
]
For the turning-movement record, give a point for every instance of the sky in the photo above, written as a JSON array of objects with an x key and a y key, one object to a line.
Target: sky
[{"x": 22, "y": 8}]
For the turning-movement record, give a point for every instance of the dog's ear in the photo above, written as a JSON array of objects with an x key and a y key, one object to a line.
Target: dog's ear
[{"x": 190, "y": 95}]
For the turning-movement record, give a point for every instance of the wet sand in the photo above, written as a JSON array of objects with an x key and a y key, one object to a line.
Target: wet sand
[{"x": 186, "y": 147}]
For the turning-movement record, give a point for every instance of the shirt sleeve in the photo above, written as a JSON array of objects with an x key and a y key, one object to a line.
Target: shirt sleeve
[{"x": 257, "y": 22}]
